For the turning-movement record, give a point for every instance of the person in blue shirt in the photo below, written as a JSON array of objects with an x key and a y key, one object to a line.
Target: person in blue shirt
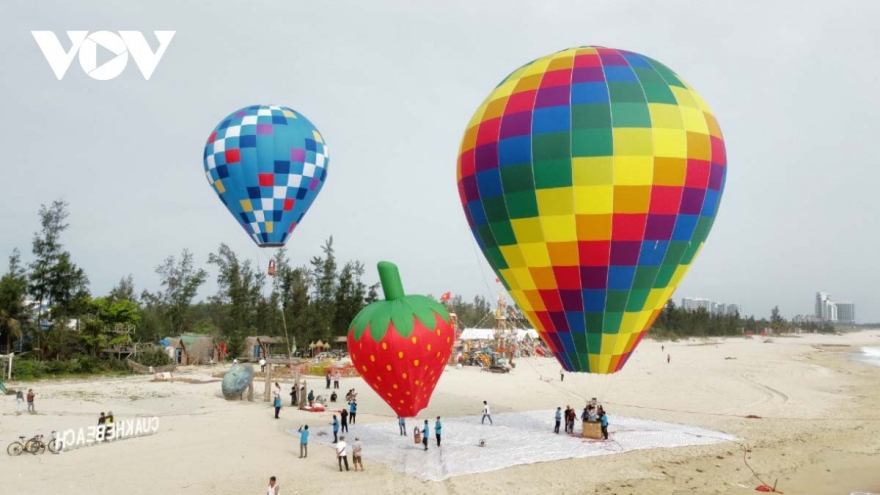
[
  {"x": 401, "y": 421},
  {"x": 604, "y": 419},
  {"x": 352, "y": 411},
  {"x": 335, "y": 429},
  {"x": 558, "y": 420},
  {"x": 303, "y": 441},
  {"x": 425, "y": 435},
  {"x": 438, "y": 427}
]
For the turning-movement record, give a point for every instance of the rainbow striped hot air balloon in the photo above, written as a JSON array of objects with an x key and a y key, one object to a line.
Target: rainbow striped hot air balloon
[{"x": 590, "y": 179}]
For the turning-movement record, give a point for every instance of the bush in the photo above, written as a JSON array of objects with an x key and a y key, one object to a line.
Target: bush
[{"x": 152, "y": 357}]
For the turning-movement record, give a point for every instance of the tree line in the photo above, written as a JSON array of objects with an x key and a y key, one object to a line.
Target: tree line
[{"x": 48, "y": 311}]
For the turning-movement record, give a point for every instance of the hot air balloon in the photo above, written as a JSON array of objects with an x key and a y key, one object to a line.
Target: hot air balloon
[
  {"x": 401, "y": 345},
  {"x": 591, "y": 178},
  {"x": 267, "y": 164}
]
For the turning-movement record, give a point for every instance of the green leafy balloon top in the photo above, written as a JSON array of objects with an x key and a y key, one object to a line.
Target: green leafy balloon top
[{"x": 397, "y": 308}]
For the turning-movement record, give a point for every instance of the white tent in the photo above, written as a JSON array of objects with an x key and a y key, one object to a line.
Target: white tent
[{"x": 489, "y": 334}]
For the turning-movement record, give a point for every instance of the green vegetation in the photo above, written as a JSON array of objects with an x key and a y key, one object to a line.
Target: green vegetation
[{"x": 58, "y": 327}]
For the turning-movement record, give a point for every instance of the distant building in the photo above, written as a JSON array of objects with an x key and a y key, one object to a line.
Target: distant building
[
  {"x": 846, "y": 313},
  {"x": 714, "y": 307},
  {"x": 834, "y": 312}
]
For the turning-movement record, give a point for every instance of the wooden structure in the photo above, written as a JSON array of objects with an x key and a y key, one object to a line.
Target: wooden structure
[
  {"x": 262, "y": 346},
  {"x": 191, "y": 348},
  {"x": 593, "y": 430}
]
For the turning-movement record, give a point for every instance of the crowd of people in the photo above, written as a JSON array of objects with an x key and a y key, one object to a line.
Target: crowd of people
[{"x": 589, "y": 414}]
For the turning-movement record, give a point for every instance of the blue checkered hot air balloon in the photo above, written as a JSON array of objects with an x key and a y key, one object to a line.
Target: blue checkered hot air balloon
[{"x": 267, "y": 164}]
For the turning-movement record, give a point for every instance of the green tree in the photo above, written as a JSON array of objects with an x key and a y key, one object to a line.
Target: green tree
[
  {"x": 350, "y": 295},
  {"x": 124, "y": 290},
  {"x": 324, "y": 270},
  {"x": 13, "y": 291},
  {"x": 181, "y": 281},
  {"x": 54, "y": 278},
  {"x": 240, "y": 288}
]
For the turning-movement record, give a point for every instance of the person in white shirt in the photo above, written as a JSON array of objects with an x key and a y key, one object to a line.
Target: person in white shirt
[
  {"x": 486, "y": 413},
  {"x": 274, "y": 488},
  {"x": 262, "y": 365},
  {"x": 341, "y": 453}
]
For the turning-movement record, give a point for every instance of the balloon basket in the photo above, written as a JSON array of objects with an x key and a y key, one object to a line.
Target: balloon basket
[{"x": 593, "y": 430}]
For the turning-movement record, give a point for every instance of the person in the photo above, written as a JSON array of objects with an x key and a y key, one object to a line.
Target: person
[
  {"x": 486, "y": 413},
  {"x": 425, "y": 435},
  {"x": 353, "y": 410},
  {"x": 273, "y": 489},
  {"x": 303, "y": 441},
  {"x": 19, "y": 402},
  {"x": 108, "y": 426},
  {"x": 102, "y": 420},
  {"x": 356, "y": 454},
  {"x": 668, "y": 358},
  {"x": 335, "y": 424},
  {"x": 276, "y": 392},
  {"x": 592, "y": 413},
  {"x": 341, "y": 453},
  {"x": 662, "y": 348},
  {"x": 327, "y": 376},
  {"x": 561, "y": 375},
  {"x": 343, "y": 415},
  {"x": 348, "y": 395},
  {"x": 604, "y": 418},
  {"x": 438, "y": 427},
  {"x": 311, "y": 397},
  {"x": 262, "y": 365},
  {"x": 336, "y": 376},
  {"x": 333, "y": 396},
  {"x": 293, "y": 396},
  {"x": 571, "y": 417},
  {"x": 565, "y": 417},
  {"x": 558, "y": 420},
  {"x": 401, "y": 421},
  {"x": 30, "y": 401}
]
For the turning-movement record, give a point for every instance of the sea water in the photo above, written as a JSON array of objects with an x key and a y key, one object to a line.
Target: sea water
[{"x": 869, "y": 355}]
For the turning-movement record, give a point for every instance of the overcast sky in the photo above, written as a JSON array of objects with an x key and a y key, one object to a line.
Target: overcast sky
[{"x": 392, "y": 85}]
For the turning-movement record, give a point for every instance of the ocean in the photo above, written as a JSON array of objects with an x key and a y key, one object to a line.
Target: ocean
[{"x": 869, "y": 355}]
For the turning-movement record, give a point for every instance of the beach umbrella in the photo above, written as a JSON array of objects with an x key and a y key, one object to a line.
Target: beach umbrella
[{"x": 591, "y": 178}]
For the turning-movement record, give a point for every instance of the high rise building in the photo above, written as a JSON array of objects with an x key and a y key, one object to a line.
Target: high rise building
[
  {"x": 719, "y": 308},
  {"x": 831, "y": 311},
  {"x": 846, "y": 313}
]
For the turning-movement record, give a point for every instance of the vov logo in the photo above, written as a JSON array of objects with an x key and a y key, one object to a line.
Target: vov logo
[{"x": 86, "y": 45}]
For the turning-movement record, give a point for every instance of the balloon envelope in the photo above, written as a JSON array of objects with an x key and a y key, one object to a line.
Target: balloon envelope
[
  {"x": 267, "y": 164},
  {"x": 590, "y": 179}
]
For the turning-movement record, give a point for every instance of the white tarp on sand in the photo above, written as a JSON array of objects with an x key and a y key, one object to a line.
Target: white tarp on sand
[{"x": 515, "y": 438}]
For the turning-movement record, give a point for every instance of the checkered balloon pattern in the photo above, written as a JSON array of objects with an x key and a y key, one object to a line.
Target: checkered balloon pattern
[
  {"x": 267, "y": 164},
  {"x": 590, "y": 179}
]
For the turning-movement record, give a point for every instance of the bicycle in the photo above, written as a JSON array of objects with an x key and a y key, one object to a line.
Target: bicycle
[
  {"x": 16, "y": 448},
  {"x": 55, "y": 445},
  {"x": 35, "y": 445}
]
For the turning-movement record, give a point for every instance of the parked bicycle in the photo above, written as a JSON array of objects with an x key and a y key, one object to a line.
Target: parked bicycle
[
  {"x": 16, "y": 448},
  {"x": 35, "y": 445}
]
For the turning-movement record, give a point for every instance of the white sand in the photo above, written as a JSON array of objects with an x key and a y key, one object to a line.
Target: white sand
[{"x": 208, "y": 445}]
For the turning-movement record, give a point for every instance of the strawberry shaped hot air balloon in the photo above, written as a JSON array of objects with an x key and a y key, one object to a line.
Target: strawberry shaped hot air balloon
[{"x": 401, "y": 345}]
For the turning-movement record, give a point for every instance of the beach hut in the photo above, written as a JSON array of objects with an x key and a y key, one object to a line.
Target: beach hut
[
  {"x": 191, "y": 348},
  {"x": 262, "y": 346},
  {"x": 342, "y": 342}
]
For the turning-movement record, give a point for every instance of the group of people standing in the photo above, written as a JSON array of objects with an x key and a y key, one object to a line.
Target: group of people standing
[
  {"x": 19, "y": 402},
  {"x": 421, "y": 435},
  {"x": 590, "y": 413}
]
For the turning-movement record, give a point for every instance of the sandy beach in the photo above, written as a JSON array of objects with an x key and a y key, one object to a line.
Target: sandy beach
[{"x": 818, "y": 430}]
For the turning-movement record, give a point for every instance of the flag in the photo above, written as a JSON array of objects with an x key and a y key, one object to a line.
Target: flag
[{"x": 445, "y": 297}]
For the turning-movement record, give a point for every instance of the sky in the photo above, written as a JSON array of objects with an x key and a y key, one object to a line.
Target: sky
[{"x": 392, "y": 85}]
